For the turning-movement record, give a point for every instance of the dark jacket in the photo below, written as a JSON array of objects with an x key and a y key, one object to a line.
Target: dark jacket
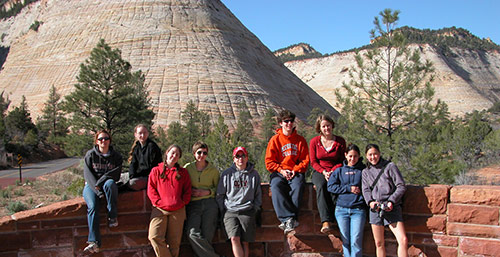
[
  {"x": 340, "y": 183},
  {"x": 144, "y": 158},
  {"x": 99, "y": 167},
  {"x": 390, "y": 186}
]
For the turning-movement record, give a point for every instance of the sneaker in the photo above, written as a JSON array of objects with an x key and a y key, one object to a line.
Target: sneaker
[
  {"x": 282, "y": 226},
  {"x": 113, "y": 222},
  {"x": 326, "y": 228},
  {"x": 91, "y": 248},
  {"x": 290, "y": 226}
]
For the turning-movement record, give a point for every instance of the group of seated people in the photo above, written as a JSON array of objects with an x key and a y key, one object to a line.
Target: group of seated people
[{"x": 191, "y": 197}]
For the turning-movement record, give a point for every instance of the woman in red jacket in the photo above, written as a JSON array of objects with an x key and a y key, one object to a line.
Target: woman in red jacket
[
  {"x": 169, "y": 189},
  {"x": 326, "y": 152}
]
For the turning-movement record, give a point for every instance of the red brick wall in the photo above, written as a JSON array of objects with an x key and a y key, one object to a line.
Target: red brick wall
[{"x": 440, "y": 221}]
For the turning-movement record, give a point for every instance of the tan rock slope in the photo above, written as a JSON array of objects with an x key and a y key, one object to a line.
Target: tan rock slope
[
  {"x": 467, "y": 82},
  {"x": 188, "y": 49}
]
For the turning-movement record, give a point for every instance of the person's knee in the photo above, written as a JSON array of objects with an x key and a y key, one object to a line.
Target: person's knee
[
  {"x": 379, "y": 243},
  {"x": 403, "y": 240},
  {"x": 235, "y": 239}
]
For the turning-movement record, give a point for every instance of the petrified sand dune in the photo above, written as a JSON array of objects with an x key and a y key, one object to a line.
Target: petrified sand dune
[{"x": 188, "y": 49}]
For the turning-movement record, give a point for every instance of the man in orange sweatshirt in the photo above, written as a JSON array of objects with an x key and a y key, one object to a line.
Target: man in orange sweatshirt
[{"x": 287, "y": 158}]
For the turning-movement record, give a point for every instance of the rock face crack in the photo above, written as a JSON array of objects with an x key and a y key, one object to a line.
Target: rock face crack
[{"x": 188, "y": 50}]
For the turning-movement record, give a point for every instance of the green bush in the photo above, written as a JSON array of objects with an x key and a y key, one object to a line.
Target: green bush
[
  {"x": 35, "y": 25},
  {"x": 16, "y": 206},
  {"x": 76, "y": 187}
]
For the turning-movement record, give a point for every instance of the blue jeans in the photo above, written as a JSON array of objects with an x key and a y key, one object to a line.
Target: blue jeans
[
  {"x": 286, "y": 195},
  {"x": 351, "y": 222},
  {"x": 111, "y": 192}
]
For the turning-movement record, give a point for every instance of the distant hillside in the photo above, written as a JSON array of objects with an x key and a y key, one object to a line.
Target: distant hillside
[
  {"x": 442, "y": 40},
  {"x": 298, "y": 51},
  {"x": 467, "y": 68}
]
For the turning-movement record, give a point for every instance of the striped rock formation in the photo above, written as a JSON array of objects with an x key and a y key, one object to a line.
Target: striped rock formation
[{"x": 188, "y": 50}]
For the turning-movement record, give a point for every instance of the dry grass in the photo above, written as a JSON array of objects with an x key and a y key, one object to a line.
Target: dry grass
[{"x": 45, "y": 190}]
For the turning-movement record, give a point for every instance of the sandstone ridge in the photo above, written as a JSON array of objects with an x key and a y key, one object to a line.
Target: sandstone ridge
[
  {"x": 188, "y": 50},
  {"x": 466, "y": 80}
]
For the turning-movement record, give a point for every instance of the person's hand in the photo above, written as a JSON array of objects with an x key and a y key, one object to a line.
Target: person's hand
[
  {"x": 199, "y": 192},
  {"x": 373, "y": 205},
  {"x": 355, "y": 190},
  {"x": 327, "y": 174},
  {"x": 389, "y": 206},
  {"x": 288, "y": 174}
]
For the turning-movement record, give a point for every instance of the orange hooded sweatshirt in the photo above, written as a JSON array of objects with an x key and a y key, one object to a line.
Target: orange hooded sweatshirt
[{"x": 287, "y": 152}]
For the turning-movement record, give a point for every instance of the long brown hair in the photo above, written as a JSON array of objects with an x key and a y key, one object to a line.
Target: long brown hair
[
  {"x": 131, "y": 153},
  {"x": 177, "y": 166},
  {"x": 102, "y": 131}
]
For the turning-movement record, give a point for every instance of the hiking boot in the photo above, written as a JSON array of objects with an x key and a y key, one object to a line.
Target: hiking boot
[
  {"x": 113, "y": 222},
  {"x": 91, "y": 248}
]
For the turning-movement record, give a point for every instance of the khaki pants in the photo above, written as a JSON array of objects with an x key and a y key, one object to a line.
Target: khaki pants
[{"x": 166, "y": 223}]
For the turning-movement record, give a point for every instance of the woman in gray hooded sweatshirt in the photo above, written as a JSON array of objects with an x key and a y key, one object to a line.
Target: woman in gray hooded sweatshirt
[
  {"x": 383, "y": 188},
  {"x": 101, "y": 170}
]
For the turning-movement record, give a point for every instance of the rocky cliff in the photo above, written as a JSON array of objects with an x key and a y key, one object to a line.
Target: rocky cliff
[
  {"x": 188, "y": 50},
  {"x": 465, "y": 79}
]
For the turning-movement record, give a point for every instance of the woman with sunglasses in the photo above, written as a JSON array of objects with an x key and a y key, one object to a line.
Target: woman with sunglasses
[
  {"x": 202, "y": 211},
  {"x": 101, "y": 170}
]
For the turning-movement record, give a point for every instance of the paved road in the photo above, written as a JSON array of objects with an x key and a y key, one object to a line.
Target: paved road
[{"x": 33, "y": 170}]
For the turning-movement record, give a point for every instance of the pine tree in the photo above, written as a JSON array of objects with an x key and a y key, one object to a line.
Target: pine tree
[
  {"x": 243, "y": 134},
  {"x": 389, "y": 89},
  {"x": 108, "y": 96},
  {"x": 52, "y": 123},
  {"x": 389, "y": 101}
]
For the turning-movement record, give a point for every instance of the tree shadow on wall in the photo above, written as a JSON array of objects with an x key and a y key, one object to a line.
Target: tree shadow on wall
[{"x": 420, "y": 220}]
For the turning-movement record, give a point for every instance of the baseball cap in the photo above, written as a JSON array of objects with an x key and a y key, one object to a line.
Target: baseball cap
[{"x": 240, "y": 149}]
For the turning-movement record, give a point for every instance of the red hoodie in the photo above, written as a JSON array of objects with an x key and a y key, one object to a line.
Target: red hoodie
[
  {"x": 287, "y": 152},
  {"x": 165, "y": 191}
]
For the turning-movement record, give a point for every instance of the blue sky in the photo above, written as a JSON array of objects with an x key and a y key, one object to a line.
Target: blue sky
[{"x": 333, "y": 25}]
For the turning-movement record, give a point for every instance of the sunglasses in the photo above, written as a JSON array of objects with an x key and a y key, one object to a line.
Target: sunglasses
[
  {"x": 103, "y": 139},
  {"x": 288, "y": 121},
  {"x": 239, "y": 156},
  {"x": 202, "y": 152}
]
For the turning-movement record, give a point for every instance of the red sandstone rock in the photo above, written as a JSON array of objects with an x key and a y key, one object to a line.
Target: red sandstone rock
[
  {"x": 484, "y": 195},
  {"x": 479, "y": 247},
  {"x": 460, "y": 229},
  {"x": 463, "y": 213},
  {"x": 427, "y": 200}
]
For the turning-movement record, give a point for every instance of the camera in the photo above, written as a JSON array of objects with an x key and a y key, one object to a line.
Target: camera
[{"x": 381, "y": 208}]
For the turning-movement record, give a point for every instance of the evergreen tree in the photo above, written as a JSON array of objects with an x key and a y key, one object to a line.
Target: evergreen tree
[
  {"x": 268, "y": 125},
  {"x": 243, "y": 134},
  {"x": 389, "y": 89},
  {"x": 389, "y": 101},
  {"x": 219, "y": 143},
  {"x": 18, "y": 124},
  {"x": 4, "y": 104},
  {"x": 191, "y": 118},
  {"x": 108, "y": 96},
  {"x": 52, "y": 123}
]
